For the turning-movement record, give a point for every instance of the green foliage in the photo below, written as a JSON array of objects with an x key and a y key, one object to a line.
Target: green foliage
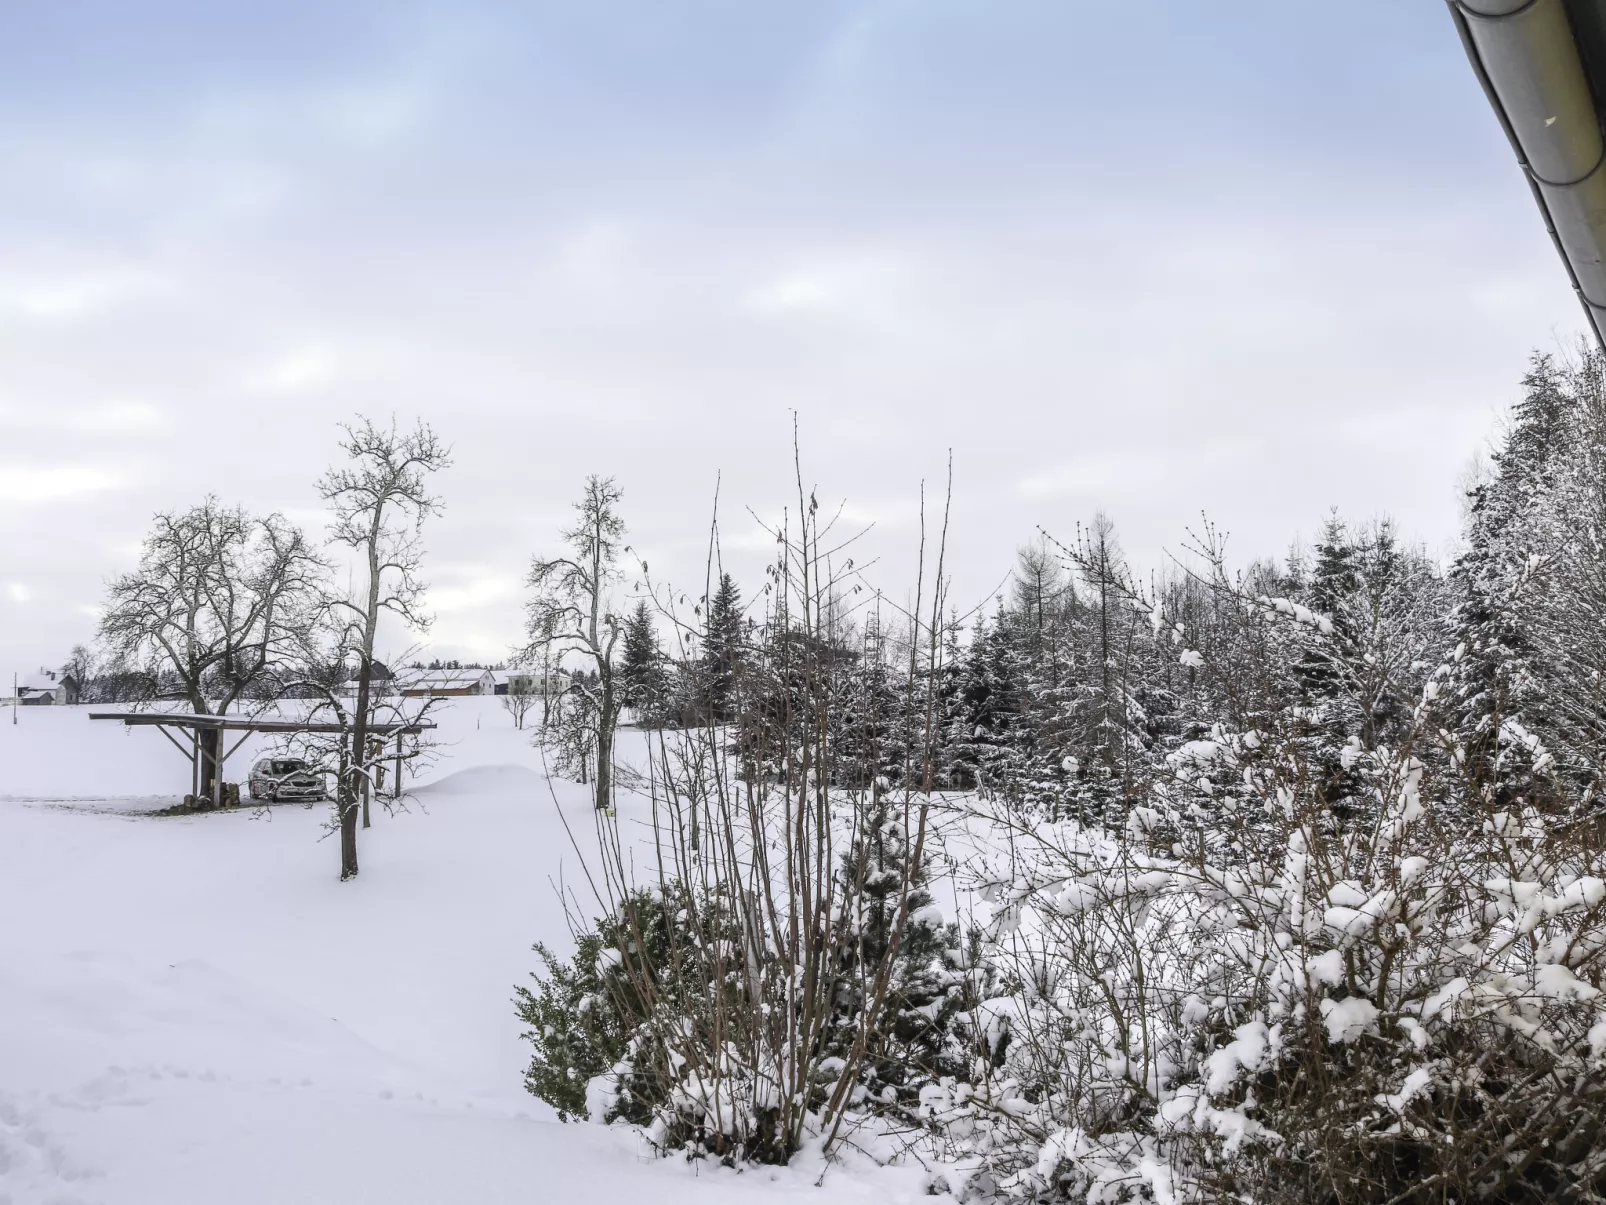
[
  {"x": 722, "y": 651},
  {"x": 656, "y": 991},
  {"x": 642, "y": 672},
  {"x": 913, "y": 1042},
  {"x": 584, "y": 1015}
]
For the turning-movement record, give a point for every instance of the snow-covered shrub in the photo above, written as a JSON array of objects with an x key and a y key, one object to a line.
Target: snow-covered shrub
[
  {"x": 678, "y": 1012},
  {"x": 800, "y": 980},
  {"x": 585, "y": 1013},
  {"x": 1252, "y": 993}
]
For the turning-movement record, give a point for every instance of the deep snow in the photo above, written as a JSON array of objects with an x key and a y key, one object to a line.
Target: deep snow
[{"x": 193, "y": 1009}]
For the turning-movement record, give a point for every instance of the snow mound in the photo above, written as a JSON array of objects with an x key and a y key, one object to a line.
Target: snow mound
[{"x": 486, "y": 780}]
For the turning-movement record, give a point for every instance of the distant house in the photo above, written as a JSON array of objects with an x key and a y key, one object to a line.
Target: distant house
[
  {"x": 431, "y": 683},
  {"x": 47, "y": 688},
  {"x": 381, "y": 681},
  {"x": 528, "y": 681}
]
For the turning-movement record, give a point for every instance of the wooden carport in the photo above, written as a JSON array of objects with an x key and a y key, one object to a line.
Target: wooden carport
[{"x": 163, "y": 721}]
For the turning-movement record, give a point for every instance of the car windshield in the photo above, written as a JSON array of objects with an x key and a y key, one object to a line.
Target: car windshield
[{"x": 286, "y": 767}]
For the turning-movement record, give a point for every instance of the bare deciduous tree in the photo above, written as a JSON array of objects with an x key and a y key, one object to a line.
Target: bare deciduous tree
[
  {"x": 571, "y": 613},
  {"x": 522, "y": 695},
  {"x": 215, "y": 611},
  {"x": 380, "y": 500}
]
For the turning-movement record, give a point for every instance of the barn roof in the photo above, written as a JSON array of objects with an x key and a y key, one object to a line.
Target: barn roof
[{"x": 441, "y": 679}]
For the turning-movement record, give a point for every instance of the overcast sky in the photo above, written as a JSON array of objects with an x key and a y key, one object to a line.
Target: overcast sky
[{"x": 1255, "y": 259}]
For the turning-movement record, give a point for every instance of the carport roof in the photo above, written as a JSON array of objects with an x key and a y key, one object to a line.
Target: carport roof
[{"x": 232, "y": 723}]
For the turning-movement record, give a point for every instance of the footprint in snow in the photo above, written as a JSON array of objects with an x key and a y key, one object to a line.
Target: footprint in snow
[{"x": 32, "y": 1162}]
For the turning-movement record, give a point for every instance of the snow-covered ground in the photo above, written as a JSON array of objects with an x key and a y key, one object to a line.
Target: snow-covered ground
[{"x": 193, "y": 1009}]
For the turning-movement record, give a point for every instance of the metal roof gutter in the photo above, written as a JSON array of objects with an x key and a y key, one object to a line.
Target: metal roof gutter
[{"x": 1542, "y": 64}]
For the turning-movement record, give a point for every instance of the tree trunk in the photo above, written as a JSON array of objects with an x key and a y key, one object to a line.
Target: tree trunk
[
  {"x": 348, "y": 840},
  {"x": 606, "y": 718},
  {"x": 346, "y": 800},
  {"x": 359, "y": 722},
  {"x": 209, "y": 746},
  {"x": 355, "y": 779}
]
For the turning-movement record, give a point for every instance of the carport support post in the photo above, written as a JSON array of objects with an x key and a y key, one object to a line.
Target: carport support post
[
  {"x": 195, "y": 763},
  {"x": 395, "y": 786},
  {"x": 217, "y": 772}
]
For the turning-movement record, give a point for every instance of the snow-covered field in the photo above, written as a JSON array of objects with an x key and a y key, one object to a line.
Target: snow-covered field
[{"x": 193, "y": 1009}]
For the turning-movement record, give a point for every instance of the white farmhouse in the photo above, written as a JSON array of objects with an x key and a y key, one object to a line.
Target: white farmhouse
[{"x": 47, "y": 688}]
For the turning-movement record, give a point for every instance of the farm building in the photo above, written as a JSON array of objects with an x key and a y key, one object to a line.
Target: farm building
[
  {"x": 431, "y": 683},
  {"x": 47, "y": 688},
  {"x": 529, "y": 682}
]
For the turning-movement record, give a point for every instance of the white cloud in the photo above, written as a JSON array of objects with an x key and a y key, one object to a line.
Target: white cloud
[
  {"x": 871, "y": 287},
  {"x": 114, "y": 417},
  {"x": 300, "y": 371},
  {"x": 371, "y": 113},
  {"x": 797, "y": 291},
  {"x": 1125, "y": 471},
  {"x": 71, "y": 297},
  {"x": 377, "y": 114},
  {"x": 1100, "y": 474},
  {"x": 29, "y": 483},
  {"x": 472, "y": 594}
]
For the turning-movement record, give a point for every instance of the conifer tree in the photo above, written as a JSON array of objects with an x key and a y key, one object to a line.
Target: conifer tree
[
  {"x": 986, "y": 735},
  {"x": 913, "y": 1044},
  {"x": 722, "y": 644},
  {"x": 642, "y": 675},
  {"x": 1514, "y": 535}
]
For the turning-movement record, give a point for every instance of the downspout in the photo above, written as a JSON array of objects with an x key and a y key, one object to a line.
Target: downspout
[{"x": 1526, "y": 57}]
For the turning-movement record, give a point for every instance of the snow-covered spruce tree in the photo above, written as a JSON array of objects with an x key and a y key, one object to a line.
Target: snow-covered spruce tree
[
  {"x": 913, "y": 1046},
  {"x": 946, "y": 712},
  {"x": 1019, "y": 712},
  {"x": 867, "y": 713},
  {"x": 1066, "y": 692},
  {"x": 721, "y": 652},
  {"x": 1361, "y": 669},
  {"x": 1113, "y": 715},
  {"x": 1043, "y": 620},
  {"x": 985, "y": 733},
  {"x": 643, "y": 676},
  {"x": 1527, "y": 629}
]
